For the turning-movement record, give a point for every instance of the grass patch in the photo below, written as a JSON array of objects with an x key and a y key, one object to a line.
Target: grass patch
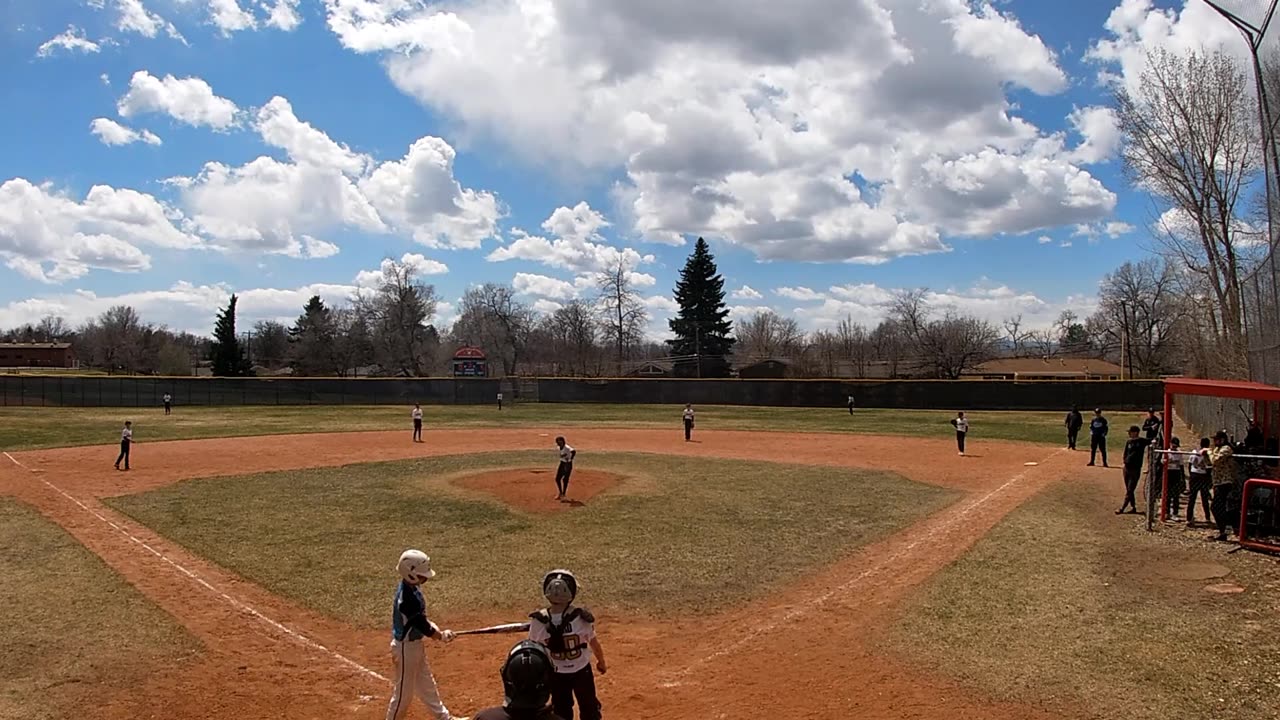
[
  {"x": 678, "y": 534},
  {"x": 26, "y": 428},
  {"x": 1063, "y": 603},
  {"x": 69, "y": 620}
]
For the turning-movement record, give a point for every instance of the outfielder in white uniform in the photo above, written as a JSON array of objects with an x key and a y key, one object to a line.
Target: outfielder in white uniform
[{"x": 409, "y": 626}]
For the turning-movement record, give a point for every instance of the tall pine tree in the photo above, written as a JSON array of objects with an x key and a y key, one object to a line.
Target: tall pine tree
[
  {"x": 703, "y": 332},
  {"x": 227, "y": 360}
]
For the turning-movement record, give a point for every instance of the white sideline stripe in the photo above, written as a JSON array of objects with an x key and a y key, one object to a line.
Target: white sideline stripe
[
  {"x": 884, "y": 564},
  {"x": 300, "y": 638}
]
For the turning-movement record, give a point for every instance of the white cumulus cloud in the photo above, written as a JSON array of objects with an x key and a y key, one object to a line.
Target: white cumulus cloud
[
  {"x": 189, "y": 100},
  {"x": 72, "y": 40},
  {"x": 133, "y": 17},
  {"x": 818, "y": 130},
  {"x": 576, "y": 243},
  {"x": 111, "y": 132},
  {"x": 746, "y": 292}
]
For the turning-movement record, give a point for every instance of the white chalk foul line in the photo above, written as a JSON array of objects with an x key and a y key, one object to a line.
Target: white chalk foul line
[
  {"x": 885, "y": 563},
  {"x": 237, "y": 604}
]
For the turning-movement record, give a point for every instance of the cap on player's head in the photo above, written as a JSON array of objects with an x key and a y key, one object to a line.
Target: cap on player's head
[
  {"x": 1221, "y": 435},
  {"x": 526, "y": 677},
  {"x": 1097, "y": 411},
  {"x": 1176, "y": 441}
]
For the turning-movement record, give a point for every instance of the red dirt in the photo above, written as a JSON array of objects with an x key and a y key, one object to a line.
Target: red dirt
[
  {"x": 534, "y": 489},
  {"x": 800, "y": 654}
]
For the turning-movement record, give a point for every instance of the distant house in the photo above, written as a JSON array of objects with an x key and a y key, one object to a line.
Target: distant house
[
  {"x": 470, "y": 362},
  {"x": 1046, "y": 369},
  {"x": 651, "y": 369},
  {"x": 37, "y": 355},
  {"x": 766, "y": 369}
]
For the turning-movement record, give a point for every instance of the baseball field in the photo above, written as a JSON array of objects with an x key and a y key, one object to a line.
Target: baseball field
[{"x": 787, "y": 563}]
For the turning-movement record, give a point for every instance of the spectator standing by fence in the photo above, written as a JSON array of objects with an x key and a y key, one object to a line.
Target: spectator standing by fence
[
  {"x": 1225, "y": 478},
  {"x": 1074, "y": 422},
  {"x": 1134, "y": 451},
  {"x": 1152, "y": 425},
  {"x": 1174, "y": 461},
  {"x": 1198, "y": 467}
]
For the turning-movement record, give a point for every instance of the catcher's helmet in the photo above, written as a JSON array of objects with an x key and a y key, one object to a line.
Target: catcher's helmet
[
  {"x": 415, "y": 566},
  {"x": 560, "y": 586},
  {"x": 526, "y": 677}
]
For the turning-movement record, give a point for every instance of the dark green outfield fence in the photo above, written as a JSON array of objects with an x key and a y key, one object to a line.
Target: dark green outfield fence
[
  {"x": 914, "y": 394},
  {"x": 141, "y": 391},
  {"x": 137, "y": 391}
]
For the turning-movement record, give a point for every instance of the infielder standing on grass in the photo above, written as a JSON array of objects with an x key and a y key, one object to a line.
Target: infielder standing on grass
[
  {"x": 850, "y": 403},
  {"x": 417, "y": 423},
  {"x": 126, "y": 441},
  {"x": 962, "y": 428},
  {"x": 567, "y": 454},
  {"x": 688, "y": 422},
  {"x": 409, "y": 625},
  {"x": 569, "y": 634}
]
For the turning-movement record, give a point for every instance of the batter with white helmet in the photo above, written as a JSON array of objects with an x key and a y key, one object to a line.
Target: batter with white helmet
[
  {"x": 569, "y": 633},
  {"x": 409, "y": 625}
]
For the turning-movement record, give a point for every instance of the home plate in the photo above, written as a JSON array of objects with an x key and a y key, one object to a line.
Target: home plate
[{"x": 1031, "y": 464}]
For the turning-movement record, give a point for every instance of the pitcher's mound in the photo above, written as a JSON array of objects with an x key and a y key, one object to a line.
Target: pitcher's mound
[{"x": 534, "y": 490}]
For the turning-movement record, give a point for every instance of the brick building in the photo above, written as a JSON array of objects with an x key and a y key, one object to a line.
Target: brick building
[{"x": 43, "y": 355}]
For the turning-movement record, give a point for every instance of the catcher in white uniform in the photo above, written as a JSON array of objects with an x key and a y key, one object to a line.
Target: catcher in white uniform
[
  {"x": 569, "y": 634},
  {"x": 409, "y": 625}
]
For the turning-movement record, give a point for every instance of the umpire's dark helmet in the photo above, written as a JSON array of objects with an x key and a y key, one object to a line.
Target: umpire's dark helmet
[{"x": 526, "y": 677}]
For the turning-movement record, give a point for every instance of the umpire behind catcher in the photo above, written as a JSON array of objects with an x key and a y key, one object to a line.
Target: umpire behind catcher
[{"x": 526, "y": 685}]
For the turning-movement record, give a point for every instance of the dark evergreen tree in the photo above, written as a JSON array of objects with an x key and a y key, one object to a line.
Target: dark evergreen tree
[
  {"x": 313, "y": 341},
  {"x": 227, "y": 359},
  {"x": 703, "y": 332}
]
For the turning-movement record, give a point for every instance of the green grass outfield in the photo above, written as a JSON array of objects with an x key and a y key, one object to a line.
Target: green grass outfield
[
  {"x": 1063, "y": 602},
  {"x": 70, "y": 626},
  {"x": 26, "y": 428},
  {"x": 680, "y": 534}
]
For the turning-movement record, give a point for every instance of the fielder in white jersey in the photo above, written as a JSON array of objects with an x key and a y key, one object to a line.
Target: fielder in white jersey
[
  {"x": 569, "y": 634},
  {"x": 565, "y": 469},
  {"x": 688, "y": 422},
  {"x": 417, "y": 423},
  {"x": 961, "y": 424}
]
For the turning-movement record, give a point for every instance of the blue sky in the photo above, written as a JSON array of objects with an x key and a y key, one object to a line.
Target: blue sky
[{"x": 666, "y": 125}]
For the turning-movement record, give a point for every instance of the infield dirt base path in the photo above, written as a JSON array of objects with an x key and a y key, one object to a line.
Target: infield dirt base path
[{"x": 800, "y": 654}]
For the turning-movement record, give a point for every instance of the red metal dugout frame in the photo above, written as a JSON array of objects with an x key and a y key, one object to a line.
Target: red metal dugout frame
[{"x": 1260, "y": 394}]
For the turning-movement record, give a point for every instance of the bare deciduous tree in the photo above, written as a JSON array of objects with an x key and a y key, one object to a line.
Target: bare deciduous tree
[
  {"x": 946, "y": 347},
  {"x": 398, "y": 314},
  {"x": 491, "y": 317},
  {"x": 1191, "y": 138},
  {"x": 573, "y": 330},
  {"x": 1141, "y": 303},
  {"x": 622, "y": 313},
  {"x": 766, "y": 335},
  {"x": 1017, "y": 336}
]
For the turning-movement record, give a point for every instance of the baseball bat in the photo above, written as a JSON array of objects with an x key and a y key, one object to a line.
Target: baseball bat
[{"x": 495, "y": 629}]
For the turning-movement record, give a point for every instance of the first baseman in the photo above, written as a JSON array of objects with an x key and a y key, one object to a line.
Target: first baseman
[
  {"x": 565, "y": 469},
  {"x": 126, "y": 441},
  {"x": 569, "y": 633},
  {"x": 409, "y": 625}
]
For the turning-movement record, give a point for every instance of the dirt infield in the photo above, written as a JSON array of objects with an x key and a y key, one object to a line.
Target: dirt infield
[
  {"x": 799, "y": 654},
  {"x": 533, "y": 489}
]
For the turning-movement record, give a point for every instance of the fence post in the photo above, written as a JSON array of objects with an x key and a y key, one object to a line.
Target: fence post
[{"x": 43, "y": 401}]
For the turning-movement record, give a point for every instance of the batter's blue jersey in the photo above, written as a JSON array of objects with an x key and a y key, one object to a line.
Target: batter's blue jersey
[{"x": 409, "y": 614}]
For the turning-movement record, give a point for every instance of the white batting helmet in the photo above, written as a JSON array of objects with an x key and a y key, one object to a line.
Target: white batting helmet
[{"x": 415, "y": 566}]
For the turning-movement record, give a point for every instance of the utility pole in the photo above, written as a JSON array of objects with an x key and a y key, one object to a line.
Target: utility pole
[{"x": 697, "y": 345}]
